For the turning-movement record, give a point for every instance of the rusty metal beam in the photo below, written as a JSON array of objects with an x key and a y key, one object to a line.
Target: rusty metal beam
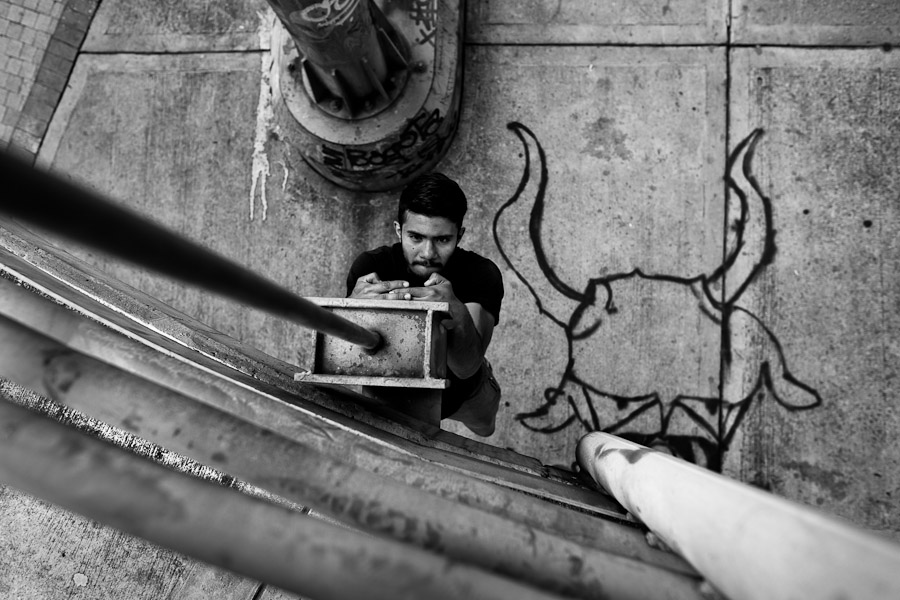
[{"x": 750, "y": 544}]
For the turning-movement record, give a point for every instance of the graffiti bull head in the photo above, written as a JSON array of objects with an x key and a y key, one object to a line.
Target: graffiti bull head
[{"x": 637, "y": 392}]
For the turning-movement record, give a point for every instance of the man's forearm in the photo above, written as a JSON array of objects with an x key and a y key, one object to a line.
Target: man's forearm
[{"x": 464, "y": 349}]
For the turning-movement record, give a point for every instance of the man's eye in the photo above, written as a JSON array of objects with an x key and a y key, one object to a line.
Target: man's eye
[
  {"x": 443, "y": 240},
  {"x": 415, "y": 238}
]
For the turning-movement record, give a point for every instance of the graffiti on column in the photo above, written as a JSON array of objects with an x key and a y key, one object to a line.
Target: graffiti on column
[
  {"x": 421, "y": 139},
  {"x": 325, "y": 14},
  {"x": 424, "y": 15},
  {"x": 374, "y": 91},
  {"x": 696, "y": 424}
]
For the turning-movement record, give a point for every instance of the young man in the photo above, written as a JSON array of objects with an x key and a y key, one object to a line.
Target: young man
[{"x": 428, "y": 264}]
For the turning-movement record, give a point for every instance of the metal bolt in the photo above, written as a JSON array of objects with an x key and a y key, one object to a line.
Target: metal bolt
[
  {"x": 709, "y": 592},
  {"x": 654, "y": 541}
]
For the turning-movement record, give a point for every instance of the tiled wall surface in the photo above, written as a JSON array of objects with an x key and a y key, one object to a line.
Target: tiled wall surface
[
  {"x": 39, "y": 40},
  {"x": 25, "y": 30}
]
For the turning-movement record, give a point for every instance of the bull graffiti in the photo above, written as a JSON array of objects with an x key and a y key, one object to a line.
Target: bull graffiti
[{"x": 697, "y": 424}]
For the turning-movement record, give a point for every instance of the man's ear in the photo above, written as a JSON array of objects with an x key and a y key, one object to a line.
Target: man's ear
[
  {"x": 397, "y": 229},
  {"x": 459, "y": 235}
]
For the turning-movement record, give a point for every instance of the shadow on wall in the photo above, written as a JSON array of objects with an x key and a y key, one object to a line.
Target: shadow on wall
[{"x": 604, "y": 395}]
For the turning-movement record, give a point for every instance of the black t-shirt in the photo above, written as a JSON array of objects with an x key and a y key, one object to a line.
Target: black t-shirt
[{"x": 473, "y": 277}]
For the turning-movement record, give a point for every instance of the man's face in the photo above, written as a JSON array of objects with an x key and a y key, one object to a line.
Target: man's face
[{"x": 428, "y": 242}]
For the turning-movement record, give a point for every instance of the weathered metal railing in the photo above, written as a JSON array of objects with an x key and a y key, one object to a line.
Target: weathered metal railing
[
  {"x": 45, "y": 200},
  {"x": 354, "y": 477},
  {"x": 750, "y": 544},
  {"x": 327, "y": 484},
  {"x": 224, "y": 527}
]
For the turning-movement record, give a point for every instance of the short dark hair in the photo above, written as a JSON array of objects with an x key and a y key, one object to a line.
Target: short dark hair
[{"x": 433, "y": 195}]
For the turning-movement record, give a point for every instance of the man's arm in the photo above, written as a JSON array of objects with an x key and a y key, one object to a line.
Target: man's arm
[
  {"x": 465, "y": 352},
  {"x": 484, "y": 324}
]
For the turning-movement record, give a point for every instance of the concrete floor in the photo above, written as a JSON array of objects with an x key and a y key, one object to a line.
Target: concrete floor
[{"x": 637, "y": 106}]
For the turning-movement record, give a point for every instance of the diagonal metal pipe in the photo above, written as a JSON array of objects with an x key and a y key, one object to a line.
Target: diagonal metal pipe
[
  {"x": 750, "y": 544},
  {"x": 44, "y": 199}
]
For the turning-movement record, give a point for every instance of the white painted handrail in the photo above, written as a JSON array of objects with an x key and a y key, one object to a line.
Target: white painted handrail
[{"x": 748, "y": 543}]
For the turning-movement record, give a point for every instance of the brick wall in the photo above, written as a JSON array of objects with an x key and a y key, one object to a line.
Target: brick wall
[{"x": 39, "y": 40}]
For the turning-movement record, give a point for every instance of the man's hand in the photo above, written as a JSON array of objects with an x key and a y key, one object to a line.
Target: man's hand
[
  {"x": 438, "y": 288},
  {"x": 371, "y": 286}
]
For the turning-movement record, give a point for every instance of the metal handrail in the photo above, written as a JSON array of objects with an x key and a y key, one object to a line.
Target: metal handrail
[
  {"x": 43, "y": 199},
  {"x": 223, "y": 527},
  {"x": 748, "y": 543},
  {"x": 321, "y": 480}
]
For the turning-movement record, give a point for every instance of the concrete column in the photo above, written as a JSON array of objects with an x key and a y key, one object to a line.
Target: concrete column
[
  {"x": 374, "y": 92},
  {"x": 350, "y": 56}
]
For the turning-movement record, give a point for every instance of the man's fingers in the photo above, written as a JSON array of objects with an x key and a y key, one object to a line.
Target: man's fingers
[
  {"x": 398, "y": 295},
  {"x": 371, "y": 286},
  {"x": 388, "y": 286},
  {"x": 424, "y": 293}
]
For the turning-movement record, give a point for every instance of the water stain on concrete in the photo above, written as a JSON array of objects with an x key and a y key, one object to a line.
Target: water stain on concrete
[
  {"x": 833, "y": 481},
  {"x": 604, "y": 141},
  {"x": 61, "y": 371},
  {"x": 265, "y": 115}
]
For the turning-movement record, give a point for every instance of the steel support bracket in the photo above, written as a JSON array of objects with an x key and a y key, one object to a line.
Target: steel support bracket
[{"x": 414, "y": 353}]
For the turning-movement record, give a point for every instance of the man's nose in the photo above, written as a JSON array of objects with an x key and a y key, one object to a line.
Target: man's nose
[{"x": 428, "y": 250}]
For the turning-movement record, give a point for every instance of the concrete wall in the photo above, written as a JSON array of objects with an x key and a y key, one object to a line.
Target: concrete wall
[
  {"x": 787, "y": 380},
  {"x": 795, "y": 387}
]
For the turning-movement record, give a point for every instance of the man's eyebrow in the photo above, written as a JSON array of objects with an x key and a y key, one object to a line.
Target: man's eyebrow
[{"x": 440, "y": 235}]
